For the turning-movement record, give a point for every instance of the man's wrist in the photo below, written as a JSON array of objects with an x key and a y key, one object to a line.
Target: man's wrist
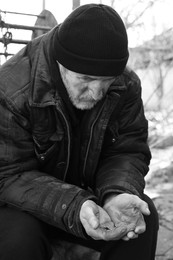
[{"x": 109, "y": 196}]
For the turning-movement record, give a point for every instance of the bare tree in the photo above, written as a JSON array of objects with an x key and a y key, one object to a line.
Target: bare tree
[
  {"x": 153, "y": 55},
  {"x": 133, "y": 12}
]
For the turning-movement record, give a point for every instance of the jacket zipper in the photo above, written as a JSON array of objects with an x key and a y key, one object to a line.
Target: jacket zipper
[
  {"x": 89, "y": 142},
  {"x": 69, "y": 142}
]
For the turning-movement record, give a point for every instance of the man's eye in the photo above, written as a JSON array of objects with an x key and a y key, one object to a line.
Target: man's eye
[{"x": 85, "y": 79}]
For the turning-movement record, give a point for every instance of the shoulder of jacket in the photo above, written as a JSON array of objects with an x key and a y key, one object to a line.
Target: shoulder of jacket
[
  {"x": 132, "y": 81},
  {"x": 130, "y": 76},
  {"x": 15, "y": 74}
]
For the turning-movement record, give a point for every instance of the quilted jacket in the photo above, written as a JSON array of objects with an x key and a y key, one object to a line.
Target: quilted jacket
[{"x": 36, "y": 140}]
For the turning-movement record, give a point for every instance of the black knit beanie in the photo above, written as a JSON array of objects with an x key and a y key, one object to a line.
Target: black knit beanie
[{"x": 92, "y": 40}]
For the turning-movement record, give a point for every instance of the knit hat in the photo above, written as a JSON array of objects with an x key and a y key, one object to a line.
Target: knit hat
[{"x": 92, "y": 40}]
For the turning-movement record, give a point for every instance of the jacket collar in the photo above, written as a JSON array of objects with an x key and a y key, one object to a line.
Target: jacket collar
[{"x": 44, "y": 72}]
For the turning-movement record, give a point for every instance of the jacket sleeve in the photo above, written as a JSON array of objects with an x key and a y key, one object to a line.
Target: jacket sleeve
[
  {"x": 23, "y": 186},
  {"x": 125, "y": 155}
]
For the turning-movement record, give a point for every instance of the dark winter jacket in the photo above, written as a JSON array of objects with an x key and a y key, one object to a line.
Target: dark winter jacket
[{"x": 36, "y": 140}]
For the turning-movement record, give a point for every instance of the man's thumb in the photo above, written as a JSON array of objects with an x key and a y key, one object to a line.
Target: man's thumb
[
  {"x": 93, "y": 221},
  {"x": 91, "y": 214},
  {"x": 143, "y": 206}
]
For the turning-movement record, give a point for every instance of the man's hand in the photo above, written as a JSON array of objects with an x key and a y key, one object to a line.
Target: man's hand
[
  {"x": 98, "y": 224},
  {"x": 126, "y": 211}
]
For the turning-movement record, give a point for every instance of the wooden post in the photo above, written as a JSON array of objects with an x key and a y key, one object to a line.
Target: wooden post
[
  {"x": 15, "y": 41},
  {"x": 44, "y": 23},
  {"x": 44, "y": 4},
  {"x": 49, "y": 21},
  {"x": 76, "y": 3},
  {"x": 25, "y": 27}
]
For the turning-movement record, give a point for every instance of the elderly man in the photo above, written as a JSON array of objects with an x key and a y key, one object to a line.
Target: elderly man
[{"x": 73, "y": 144}]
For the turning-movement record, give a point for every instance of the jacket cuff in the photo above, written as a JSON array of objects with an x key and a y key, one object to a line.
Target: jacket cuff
[
  {"x": 71, "y": 217},
  {"x": 104, "y": 191}
]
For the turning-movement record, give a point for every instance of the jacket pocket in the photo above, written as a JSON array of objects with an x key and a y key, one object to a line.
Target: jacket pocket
[
  {"x": 46, "y": 146},
  {"x": 112, "y": 135}
]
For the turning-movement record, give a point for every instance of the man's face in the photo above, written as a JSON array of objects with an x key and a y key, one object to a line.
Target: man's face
[{"x": 84, "y": 90}]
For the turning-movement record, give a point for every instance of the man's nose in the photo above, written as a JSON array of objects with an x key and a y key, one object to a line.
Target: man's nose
[{"x": 96, "y": 90}]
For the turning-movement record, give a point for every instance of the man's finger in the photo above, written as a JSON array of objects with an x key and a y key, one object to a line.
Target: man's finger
[
  {"x": 140, "y": 229},
  {"x": 91, "y": 217},
  {"x": 132, "y": 235},
  {"x": 90, "y": 213},
  {"x": 142, "y": 205},
  {"x": 115, "y": 234}
]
